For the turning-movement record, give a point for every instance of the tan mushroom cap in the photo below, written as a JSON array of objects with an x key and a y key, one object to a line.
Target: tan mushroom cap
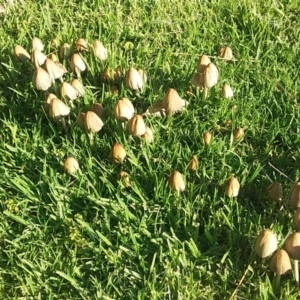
[
  {"x": 172, "y": 102},
  {"x": 41, "y": 79},
  {"x": 20, "y": 53},
  {"x": 55, "y": 70},
  {"x": 176, "y": 181},
  {"x": 71, "y": 165},
  {"x": 117, "y": 153},
  {"x": 37, "y": 44},
  {"x": 92, "y": 122},
  {"x": 295, "y": 195},
  {"x": 133, "y": 79},
  {"x": 77, "y": 64},
  {"x": 266, "y": 243},
  {"x": 123, "y": 110},
  {"x": 136, "y": 125},
  {"x": 68, "y": 92},
  {"x": 203, "y": 62},
  {"x": 99, "y": 50},
  {"x": 280, "y": 262},
  {"x": 38, "y": 58},
  {"x": 232, "y": 187},
  {"x": 292, "y": 245},
  {"x": 78, "y": 86},
  {"x": 58, "y": 109}
]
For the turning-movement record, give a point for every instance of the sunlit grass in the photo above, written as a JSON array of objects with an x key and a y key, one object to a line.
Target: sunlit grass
[{"x": 88, "y": 237}]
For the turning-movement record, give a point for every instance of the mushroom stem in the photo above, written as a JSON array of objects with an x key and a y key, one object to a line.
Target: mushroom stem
[
  {"x": 296, "y": 270},
  {"x": 63, "y": 122},
  {"x": 91, "y": 137},
  {"x": 205, "y": 93},
  {"x": 277, "y": 282}
]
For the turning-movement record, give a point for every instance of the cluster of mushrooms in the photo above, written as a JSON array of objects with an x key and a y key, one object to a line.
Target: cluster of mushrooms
[
  {"x": 266, "y": 243},
  {"x": 48, "y": 69}
]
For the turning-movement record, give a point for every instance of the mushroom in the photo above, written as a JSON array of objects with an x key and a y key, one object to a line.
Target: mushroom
[
  {"x": 295, "y": 195},
  {"x": 68, "y": 92},
  {"x": 232, "y": 187},
  {"x": 55, "y": 70},
  {"x": 78, "y": 86},
  {"x": 176, "y": 182},
  {"x": 226, "y": 91},
  {"x": 133, "y": 79},
  {"x": 98, "y": 109},
  {"x": 203, "y": 62},
  {"x": 123, "y": 110},
  {"x": 209, "y": 77},
  {"x": 71, "y": 165},
  {"x": 65, "y": 51},
  {"x": 297, "y": 219},
  {"x": 41, "y": 79},
  {"x": 225, "y": 53},
  {"x": 37, "y": 44},
  {"x": 275, "y": 191},
  {"x": 292, "y": 247},
  {"x": 92, "y": 124},
  {"x": 238, "y": 134},
  {"x": 77, "y": 64},
  {"x": 193, "y": 164},
  {"x": 136, "y": 125},
  {"x": 117, "y": 153},
  {"x": 124, "y": 177},
  {"x": 38, "y": 58},
  {"x": 58, "y": 110},
  {"x": 266, "y": 244},
  {"x": 148, "y": 135},
  {"x": 207, "y": 138},
  {"x": 81, "y": 45},
  {"x": 21, "y": 54},
  {"x": 280, "y": 264},
  {"x": 172, "y": 102},
  {"x": 99, "y": 50}
]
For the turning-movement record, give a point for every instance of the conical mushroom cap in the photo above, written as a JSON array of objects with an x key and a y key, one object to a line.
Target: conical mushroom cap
[
  {"x": 124, "y": 110},
  {"x": 197, "y": 80},
  {"x": 71, "y": 165},
  {"x": 232, "y": 187},
  {"x": 226, "y": 91},
  {"x": 148, "y": 135},
  {"x": 295, "y": 195},
  {"x": 38, "y": 58},
  {"x": 172, "y": 102},
  {"x": 266, "y": 243},
  {"x": 238, "y": 133},
  {"x": 54, "y": 70},
  {"x": 50, "y": 96},
  {"x": 280, "y": 262},
  {"x": 81, "y": 45},
  {"x": 193, "y": 164},
  {"x": 133, "y": 79},
  {"x": 210, "y": 76},
  {"x": 275, "y": 191},
  {"x": 207, "y": 138},
  {"x": 136, "y": 125},
  {"x": 99, "y": 50},
  {"x": 81, "y": 119},
  {"x": 92, "y": 122},
  {"x": 65, "y": 51},
  {"x": 68, "y": 92},
  {"x": 117, "y": 153},
  {"x": 41, "y": 79},
  {"x": 77, "y": 64},
  {"x": 292, "y": 245},
  {"x": 203, "y": 61},
  {"x": 226, "y": 53},
  {"x": 20, "y": 53},
  {"x": 98, "y": 109},
  {"x": 58, "y": 109},
  {"x": 176, "y": 181},
  {"x": 78, "y": 86},
  {"x": 297, "y": 219},
  {"x": 37, "y": 44}
]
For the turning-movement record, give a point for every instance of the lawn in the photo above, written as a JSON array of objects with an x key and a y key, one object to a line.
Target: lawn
[{"x": 87, "y": 236}]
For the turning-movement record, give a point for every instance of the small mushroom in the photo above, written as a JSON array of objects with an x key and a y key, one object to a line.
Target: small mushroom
[
  {"x": 78, "y": 86},
  {"x": 176, "y": 182},
  {"x": 65, "y": 51},
  {"x": 38, "y": 58},
  {"x": 92, "y": 124},
  {"x": 133, "y": 79},
  {"x": 77, "y": 64},
  {"x": 71, "y": 165},
  {"x": 81, "y": 45},
  {"x": 295, "y": 195},
  {"x": 21, "y": 54},
  {"x": 55, "y": 70},
  {"x": 225, "y": 53},
  {"x": 99, "y": 50},
  {"x": 68, "y": 92},
  {"x": 148, "y": 135},
  {"x": 193, "y": 164},
  {"x": 226, "y": 91},
  {"x": 123, "y": 110},
  {"x": 37, "y": 44},
  {"x": 232, "y": 187},
  {"x": 172, "y": 102},
  {"x": 275, "y": 191},
  {"x": 58, "y": 110},
  {"x": 136, "y": 125},
  {"x": 207, "y": 138},
  {"x": 41, "y": 79},
  {"x": 117, "y": 153},
  {"x": 266, "y": 244}
]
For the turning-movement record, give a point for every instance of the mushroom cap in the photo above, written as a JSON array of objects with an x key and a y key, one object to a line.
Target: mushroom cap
[
  {"x": 55, "y": 70},
  {"x": 37, "y": 44},
  {"x": 123, "y": 110},
  {"x": 197, "y": 80},
  {"x": 68, "y": 92},
  {"x": 65, "y": 51},
  {"x": 193, "y": 164},
  {"x": 266, "y": 243},
  {"x": 226, "y": 53},
  {"x": 226, "y": 91},
  {"x": 98, "y": 109},
  {"x": 280, "y": 262},
  {"x": 275, "y": 191},
  {"x": 38, "y": 58},
  {"x": 148, "y": 135},
  {"x": 50, "y": 96},
  {"x": 81, "y": 119},
  {"x": 92, "y": 122},
  {"x": 58, "y": 109},
  {"x": 297, "y": 219},
  {"x": 292, "y": 245},
  {"x": 203, "y": 61},
  {"x": 176, "y": 181},
  {"x": 133, "y": 79},
  {"x": 210, "y": 76},
  {"x": 238, "y": 133},
  {"x": 20, "y": 53},
  {"x": 295, "y": 195},
  {"x": 77, "y": 64},
  {"x": 99, "y": 50},
  {"x": 81, "y": 45},
  {"x": 172, "y": 102},
  {"x": 207, "y": 138},
  {"x": 71, "y": 165},
  {"x": 41, "y": 79},
  {"x": 232, "y": 187},
  {"x": 136, "y": 125},
  {"x": 117, "y": 153},
  {"x": 78, "y": 86}
]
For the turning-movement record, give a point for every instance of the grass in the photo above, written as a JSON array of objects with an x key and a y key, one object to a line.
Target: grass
[{"x": 87, "y": 237}]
